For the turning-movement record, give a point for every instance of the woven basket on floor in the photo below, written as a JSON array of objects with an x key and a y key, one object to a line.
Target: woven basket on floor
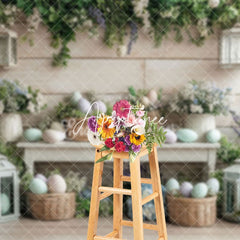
[
  {"x": 191, "y": 211},
  {"x": 53, "y": 206}
]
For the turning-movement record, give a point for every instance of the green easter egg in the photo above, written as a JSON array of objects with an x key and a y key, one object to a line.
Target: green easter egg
[
  {"x": 76, "y": 96},
  {"x": 213, "y": 136},
  {"x": 213, "y": 186},
  {"x": 200, "y": 190},
  {"x": 186, "y": 135},
  {"x": 5, "y": 203},
  {"x": 32, "y": 134},
  {"x": 172, "y": 186},
  {"x": 38, "y": 186}
]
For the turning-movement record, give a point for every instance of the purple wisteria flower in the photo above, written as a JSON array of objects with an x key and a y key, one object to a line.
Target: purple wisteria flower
[
  {"x": 92, "y": 124},
  {"x": 136, "y": 148},
  {"x": 127, "y": 140}
]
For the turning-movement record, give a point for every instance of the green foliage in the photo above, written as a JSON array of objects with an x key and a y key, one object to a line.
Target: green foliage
[{"x": 228, "y": 152}]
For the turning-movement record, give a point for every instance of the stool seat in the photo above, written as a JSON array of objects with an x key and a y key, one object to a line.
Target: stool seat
[{"x": 100, "y": 192}]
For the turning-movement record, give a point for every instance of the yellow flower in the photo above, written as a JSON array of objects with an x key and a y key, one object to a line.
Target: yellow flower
[
  {"x": 137, "y": 139},
  {"x": 104, "y": 122}
]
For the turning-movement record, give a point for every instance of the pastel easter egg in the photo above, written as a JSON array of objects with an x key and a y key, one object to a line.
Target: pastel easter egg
[
  {"x": 57, "y": 126},
  {"x": 5, "y": 203},
  {"x": 172, "y": 186},
  {"x": 213, "y": 136},
  {"x": 53, "y": 136},
  {"x": 38, "y": 186},
  {"x": 41, "y": 176},
  {"x": 145, "y": 101},
  {"x": 56, "y": 184},
  {"x": 32, "y": 134},
  {"x": 186, "y": 135},
  {"x": 200, "y": 190},
  {"x": 76, "y": 96},
  {"x": 152, "y": 95},
  {"x": 100, "y": 107},
  {"x": 213, "y": 186},
  {"x": 186, "y": 189},
  {"x": 171, "y": 136},
  {"x": 84, "y": 105}
]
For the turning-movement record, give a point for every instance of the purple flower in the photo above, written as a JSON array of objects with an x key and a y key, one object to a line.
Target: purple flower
[
  {"x": 92, "y": 124},
  {"x": 136, "y": 148},
  {"x": 126, "y": 148},
  {"x": 127, "y": 140}
]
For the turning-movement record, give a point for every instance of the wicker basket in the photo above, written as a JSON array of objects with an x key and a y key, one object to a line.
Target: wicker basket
[
  {"x": 54, "y": 206},
  {"x": 191, "y": 211}
]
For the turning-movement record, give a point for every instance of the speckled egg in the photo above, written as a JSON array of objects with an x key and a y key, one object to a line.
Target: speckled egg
[
  {"x": 100, "y": 107},
  {"x": 53, "y": 136},
  {"x": 186, "y": 189},
  {"x": 76, "y": 96},
  {"x": 41, "y": 176},
  {"x": 186, "y": 135},
  {"x": 32, "y": 134},
  {"x": 84, "y": 105},
  {"x": 5, "y": 203},
  {"x": 200, "y": 190},
  {"x": 152, "y": 95},
  {"x": 56, "y": 184},
  {"x": 213, "y": 136},
  {"x": 172, "y": 186},
  {"x": 38, "y": 186},
  {"x": 57, "y": 126},
  {"x": 171, "y": 136},
  {"x": 213, "y": 186}
]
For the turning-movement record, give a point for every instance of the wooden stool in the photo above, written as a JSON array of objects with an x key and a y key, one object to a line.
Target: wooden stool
[{"x": 99, "y": 192}]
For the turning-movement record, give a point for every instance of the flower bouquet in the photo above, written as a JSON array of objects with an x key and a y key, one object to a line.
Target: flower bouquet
[{"x": 126, "y": 130}]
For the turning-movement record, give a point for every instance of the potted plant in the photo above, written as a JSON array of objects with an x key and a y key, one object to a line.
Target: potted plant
[
  {"x": 15, "y": 100},
  {"x": 201, "y": 102}
]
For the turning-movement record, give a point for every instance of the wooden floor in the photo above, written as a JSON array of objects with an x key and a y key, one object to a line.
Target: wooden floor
[{"x": 76, "y": 229}]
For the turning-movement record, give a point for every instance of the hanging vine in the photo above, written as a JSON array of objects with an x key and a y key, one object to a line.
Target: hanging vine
[{"x": 120, "y": 18}]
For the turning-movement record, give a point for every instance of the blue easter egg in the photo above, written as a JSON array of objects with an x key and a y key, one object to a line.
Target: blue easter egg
[
  {"x": 213, "y": 186},
  {"x": 32, "y": 134},
  {"x": 186, "y": 135},
  {"x": 83, "y": 105},
  {"x": 172, "y": 186},
  {"x": 200, "y": 190},
  {"x": 186, "y": 189},
  {"x": 38, "y": 186},
  {"x": 213, "y": 136},
  {"x": 5, "y": 203}
]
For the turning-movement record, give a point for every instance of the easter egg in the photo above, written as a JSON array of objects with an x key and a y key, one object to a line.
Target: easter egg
[
  {"x": 186, "y": 135},
  {"x": 57, "y": 126},
  {"x": 145, "y": 101},
  {"x": 84, "y": 105},
  {"x": 41, "y": 176},
  {"x": 56, "y": 184},
  {"x": 200, "y": 190},
  {"x": 38, "y": 186},
  {"x": 186, "y": 189},
  {"x": 53, "y": 136},
  {"x": 172, "y": 186},
  {"x": 152, "y": 95},
  {"x": 32, "y": 134},
  {"x": 171, "y": 137},
  {"x": 100, "y": 107},
  {"x": 213, "y": 136},
  {"x": 213, "y": 186},
  {"x": 5, "y": 203},
  {"x": 76, "y": 96}
]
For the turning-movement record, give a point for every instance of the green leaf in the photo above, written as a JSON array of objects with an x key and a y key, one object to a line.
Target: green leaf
[
  {"x": 107, "y": 157},
  {"x": 132, "y": 156},
  {"x": 104, "y": 148}
]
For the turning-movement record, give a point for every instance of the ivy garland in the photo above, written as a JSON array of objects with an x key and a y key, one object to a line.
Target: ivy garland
[{"x": 119, "y": 18}]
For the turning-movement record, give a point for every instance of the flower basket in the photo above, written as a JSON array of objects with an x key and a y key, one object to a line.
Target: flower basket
[
  {"x": 191, "y": 211},
  {"x": 53, "y": 206}
]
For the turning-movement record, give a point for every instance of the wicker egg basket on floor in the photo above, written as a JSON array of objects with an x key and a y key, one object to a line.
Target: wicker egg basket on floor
[
  {"x": 191, "y": 211},
  {"x": 53, "y": 206}
]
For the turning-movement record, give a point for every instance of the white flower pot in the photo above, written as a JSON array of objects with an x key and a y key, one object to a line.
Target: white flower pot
[
  {"x": 201, "y": 124},
  {"x": 10, "y": 127}
]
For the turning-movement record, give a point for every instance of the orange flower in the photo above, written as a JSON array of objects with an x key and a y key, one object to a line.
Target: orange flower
[{"x": 104, "y": 122}]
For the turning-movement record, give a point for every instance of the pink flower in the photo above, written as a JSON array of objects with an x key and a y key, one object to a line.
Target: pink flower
[
  {"x": 131, "y": 120},
  {"x": 141, "y": 122},
  {"x": 140, "y": 113},
  {"x": 122, "y": 108}
]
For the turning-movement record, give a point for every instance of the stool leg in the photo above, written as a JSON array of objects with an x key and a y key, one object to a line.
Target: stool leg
[
  {"x": 158, "y": 201},
  {"x": 136, "y": 199},
  {"x": 117, "y": 198},
  {"x": 94, "y": 206}
]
